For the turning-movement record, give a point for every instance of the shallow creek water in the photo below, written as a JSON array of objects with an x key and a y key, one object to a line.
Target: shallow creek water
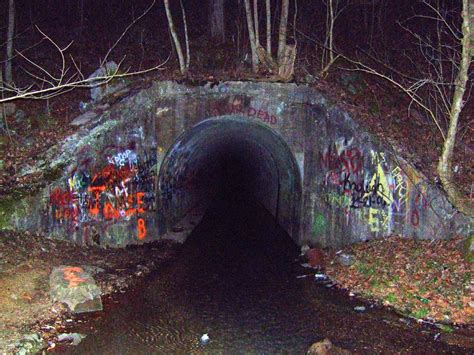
[{"x": 236, "y": 280}]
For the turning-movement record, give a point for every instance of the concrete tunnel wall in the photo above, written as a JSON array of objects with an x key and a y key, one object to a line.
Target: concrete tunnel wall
[
  {"x": 105, "y": 184},
  {"x": 260, "y": 162}
]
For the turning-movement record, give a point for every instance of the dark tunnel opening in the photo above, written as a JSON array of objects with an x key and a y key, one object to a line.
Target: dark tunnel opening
[{"x": 230, "y": 166}]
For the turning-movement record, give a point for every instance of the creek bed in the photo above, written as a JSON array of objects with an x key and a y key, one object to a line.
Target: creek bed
[{"x": 235, "y": 279}]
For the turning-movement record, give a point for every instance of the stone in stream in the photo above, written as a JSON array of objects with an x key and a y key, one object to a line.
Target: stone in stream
[
  {"x": 75, "y": 287},
  {"x": 325, "y": 347}
]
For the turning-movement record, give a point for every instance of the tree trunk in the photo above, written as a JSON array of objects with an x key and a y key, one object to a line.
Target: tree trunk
[
  {"x": 462, "y": 203},
  {"x": 216, "y": 19},
  {"x": 179, "y": 51},
  {"x": 331, "y": 29},
  {"x": 269, "y": 28},
  {"x": 11, "y": 28},
  {"x": 255, "y": 19},
  {"x": 186, "y": 37},
  {"x": 283, "y": 29},
  {"x": 250, "y": 27}
]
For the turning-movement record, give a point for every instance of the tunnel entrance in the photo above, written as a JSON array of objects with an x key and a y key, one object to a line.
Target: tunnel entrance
[{"x": 229, "y": 161}]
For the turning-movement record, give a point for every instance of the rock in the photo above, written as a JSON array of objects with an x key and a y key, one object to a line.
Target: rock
[
  {"x": 325, "y": 347},
  {"x": 8, "y": 108},
  {"x": 98, "y": 92},
  {"x": 30, "y": 344},
  {"x": 74, "y": 338},
  {"x": 75, "y": 287},
  {"x": 315, "y": 257},
  {"x": 84, "y": 118},
  {"x": 345, "y": 259}
]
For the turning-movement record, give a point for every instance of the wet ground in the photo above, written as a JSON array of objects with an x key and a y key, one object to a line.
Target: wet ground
[
  {"x": 236, "y": 280},
  {"x": 26, "y": 262}
]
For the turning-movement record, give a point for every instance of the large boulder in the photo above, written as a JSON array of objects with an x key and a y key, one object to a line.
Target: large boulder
[
  {"x": 75, "y": 287},
  {"x": 100, "y": 89}
]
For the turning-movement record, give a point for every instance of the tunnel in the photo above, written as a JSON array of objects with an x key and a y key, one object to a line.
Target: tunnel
[{"x": 234, "y": 160}]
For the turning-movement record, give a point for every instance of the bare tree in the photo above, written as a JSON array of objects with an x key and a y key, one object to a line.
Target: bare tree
[
  {"x": 11, "y": 29},
  {"x": 445, "y": 163},
  {"x": 441, "y": 89},
  {"x": 285, "y": 4},
  {"x": 269, "y": 26},
  {"x": 256, "y": 23},
  {"x": 333, "y": 10},
  {"x": 183, "y": 65},
  {"x": 253, "y": 42},
  {"x": 216, "y": 19},
  {"x": 46, "y": 84}
]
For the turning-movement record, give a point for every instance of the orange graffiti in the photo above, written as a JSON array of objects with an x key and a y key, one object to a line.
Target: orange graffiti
[
  {"x": 96, "y": 190},
  {"x": 141, "y": 229},
  {"x": 110, "y": 212},
  {"x": 70, "y": 274},
  {"x": 113, "y": 212},
  {"x": 140, "y": 202}
]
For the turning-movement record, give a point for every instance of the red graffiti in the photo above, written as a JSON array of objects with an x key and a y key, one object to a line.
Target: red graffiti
[
  {"x": 111, "y": 175},
  {"x": 415, "y": 218},
  {"x": 349, "y": 161},
  {"x": 60, "y": 198},
  {"x": 261, "y": 114}
]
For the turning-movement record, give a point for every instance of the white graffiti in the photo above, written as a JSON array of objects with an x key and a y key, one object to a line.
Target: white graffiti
[{"x": 121, "y": 159}]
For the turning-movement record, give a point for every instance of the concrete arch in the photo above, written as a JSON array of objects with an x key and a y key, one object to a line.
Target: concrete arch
[{"x": 230, "y": 150}]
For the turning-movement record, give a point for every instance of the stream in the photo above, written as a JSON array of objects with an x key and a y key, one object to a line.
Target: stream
[{"x": 236, "y": 279}]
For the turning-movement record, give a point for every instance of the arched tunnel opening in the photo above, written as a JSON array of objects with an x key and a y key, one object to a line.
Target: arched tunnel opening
[{"x": 242, "y": 178}]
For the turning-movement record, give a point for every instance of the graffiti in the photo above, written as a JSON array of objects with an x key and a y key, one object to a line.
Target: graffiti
[
  {"x": 236, "y": 107},
  {"x": 70, "y": 275},
  {"x": 263, "y": 115},
  {"x": 369, "y": 195},
  {"x": 141, "y": 229},
  {"x": 349, "y": 160},
  {"x": 339, "y": 159},
  {"x": 380, "y": 218},
  {"x": 420, "y": 203},
  {"x": 127, "y": 157},
  {"x": 124, "y": 188},
  {"x": 319, "y": 224},
  {"x": 338, "y": 200}
]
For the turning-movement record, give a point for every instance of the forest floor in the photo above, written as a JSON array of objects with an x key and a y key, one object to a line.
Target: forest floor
[
  {"x": 421, "y": 279},
  {"x": 26, "y": 261}
]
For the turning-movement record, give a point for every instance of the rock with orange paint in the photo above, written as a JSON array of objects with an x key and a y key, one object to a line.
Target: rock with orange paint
[
  {"x": 75, "y": 287},
  {"x": 315, "y": 257}
]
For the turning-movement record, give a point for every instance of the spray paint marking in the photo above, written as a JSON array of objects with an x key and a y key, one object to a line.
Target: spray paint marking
[{"x": 70, "y": 275}]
